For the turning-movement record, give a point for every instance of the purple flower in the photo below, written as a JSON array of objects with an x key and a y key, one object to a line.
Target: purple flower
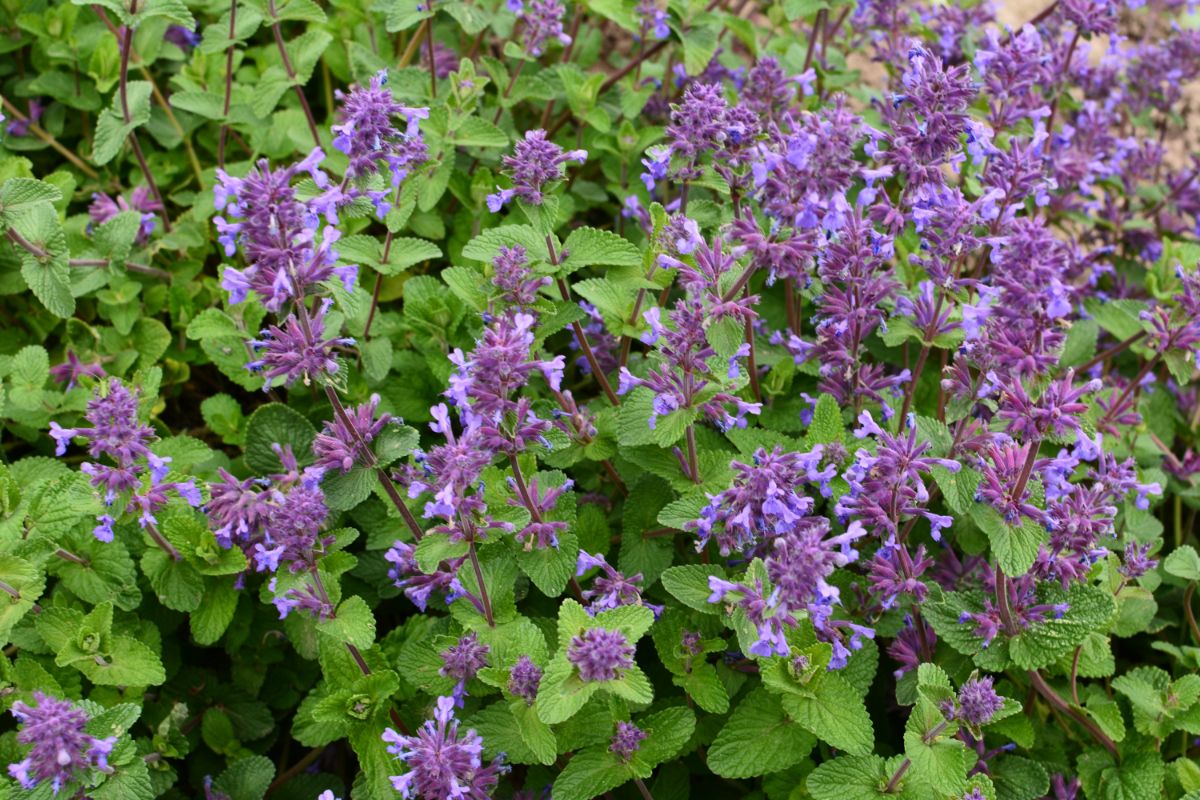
[
  {"x": 524, "y": 680},
  {"x": 626, "y": 741},
  {"x": 417, "y": 585},
  {"x": 61, "y": 751},
  {"x": 297, "y": 350},
  {"x": 277, "y": 232},
  {"x": 978, "y": 701},
  {"x": 442, "y": 764},
  {"x": 543, "y": 23},
  {"x": 697, "y": 124},
  {"x": 1137, "y": 561},
  {"x": 766, "y": 499},
  {"x": 183, "y": 37},
  {"x": 366, "y": 134},
  {"x": 600, "y": 654},
  {"x": 500, "y": 365},
  {"x": 513, "y": 276},
  {"x": 611, "y": 589},
  {"x": 71, "y": 370},
  {"x": 20, "y": 127},
  {"x": 535, "y": 162},
  {"x": 462, "y": 662},
  {"x": 115, "y": 429},
  {"x": 345, "y": 442},
  {"x": 652, "y": 20},
  {"x": 104, "y": 208}
]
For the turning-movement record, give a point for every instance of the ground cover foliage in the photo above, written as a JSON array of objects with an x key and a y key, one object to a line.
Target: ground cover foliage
[{"x": 469, "y": 399}]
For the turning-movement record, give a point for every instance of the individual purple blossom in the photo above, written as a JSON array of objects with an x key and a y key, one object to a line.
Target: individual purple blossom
[
  {"x": 237, "y": 509},
  {"x": 61, "y": 750},
  {"x": 1091, "y": 16},
  {"x": 1064, "y": 789},
  {"x": 418, "y": 586},
  {"x": 652, "y": 20},
  {"x": 906, "y": 648},
  {"x": 1001, "y": 481},
  {"x": 894, "y": 573},
  {"x": 514, "y": 277},
  {"x": 1025, "y": 609},
  {"x": 115, "y": 428},
  {"x": 141, "y": 199},
  {"x": 543, "y": 24},
  {"x": 697, "y": 125},
  {"x": 277, "y": 232},
  {"x": 978, "y": 702},
  {"x": 755, "y": 603},
  {"x": 183, "y": 37},
  {"x": 888, "y": 486},
  {"x": 501, "y": 364},
  {"x": 367, "y": 135},
  {"x": 600, "y": 654},
  {"x": 345, "y": 442},
  {"x": 1137, "y": 561},
  {"x": 611, "y": 589},
  {"x": 72, "y": 369},
  {"x": 1055, "y": 413},
  {"x": 20, "y": 127},
  {"x": 462, "y": 662},
  {"x": 305, "y": 597},
  {"x": 626, "y": 741},
  {"x": 524, "y": 680},
  {"x": 442, "y": 764},
  {"x": 765, "y": 500},
  {"x": 535, "y": 162},
  {"x": 540, "y": 533},
  {"x": 297, "y": 351}
]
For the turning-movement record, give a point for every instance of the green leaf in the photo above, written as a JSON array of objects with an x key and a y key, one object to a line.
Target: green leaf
[
  {"x": 536, "y": 734},
  {"x": 212, "y": 323},
  {"x": 274, "y": 424},
  {"x": 345, "y": 490},
  {"x": 590, "y": 773},
  {"x": 848, "y": 778},
  {"x": 407, "y": 251},
  {"x": 129, "y": 663},
  {"x": 778, "y": 741},
  {"x": 354, "y": 624},
  {"x": 210, "y": 621},
  {"x": 1089, "y": 609},
  {"x": 223, "y": 416},
  {"x": 689, "y": 585},
  {"x": 1018, "y": 778},
  {"x": 48, "y": 275},
  {"x": 20, "y": 194},
  {"x": 111, "y": 127},
  {"x": 666, "y": 734},
  {"x": 246, "y": 779},
  {"x": 592, "y": 247},
  {"x": 826, "y": 425},
  {"x": 1184, "y": 563},
  {"x": 1015, "y": 546},
  {"x": 1118, "y": 317},
  {"x": 1139, "y": 776},
  {"x": 834, "y": 712},
  {"x": 28, "y": 374},
  {"x": 176, "y": 583},
  {"x": 477, "y": 132},
  {"x": 434, "y": 548},
  {"x": 28, "y": 582}
]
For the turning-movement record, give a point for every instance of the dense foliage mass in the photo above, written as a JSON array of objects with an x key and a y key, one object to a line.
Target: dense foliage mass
[{"x": 466, "y": 399}]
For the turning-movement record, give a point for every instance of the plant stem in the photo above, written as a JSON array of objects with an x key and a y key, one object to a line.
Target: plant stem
[
  {"x": 483, "y": 592},
  {"x": 291, "y": 73},
  {"x": 413, "y": 44},
  {"x": 693, "y": 464},
  {"x": 580, "y": 334},
  {"x": 897, "y": 775},
  {"x": 508, "y": 91},
  {"x": 1111, "y": 351},
  {"x": 1052, "y": 697},
  {"x": 641, "y": 787},
  {"x": 67, "y": 555},
  {"x": 161, "y": 541},
  {"x": 432, "y": 69},
  {"x": 47, "y": 137},
  {"x": 1187, "y": 611},
  {"x": 224, "y": 132},
  {"x": 126, "y": 45}
]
